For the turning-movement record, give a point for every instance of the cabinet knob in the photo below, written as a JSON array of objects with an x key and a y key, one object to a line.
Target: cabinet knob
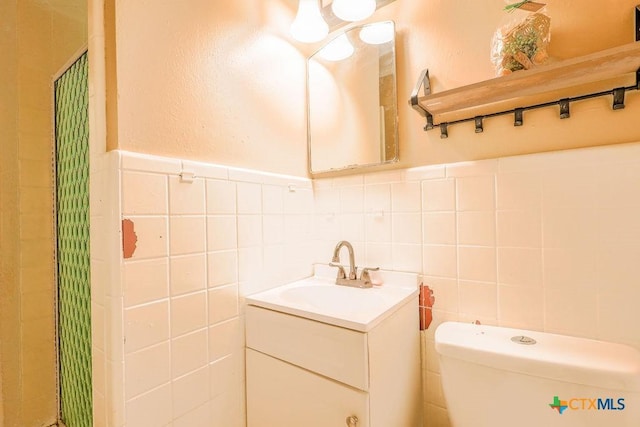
[{"x": 352, "y": 421}]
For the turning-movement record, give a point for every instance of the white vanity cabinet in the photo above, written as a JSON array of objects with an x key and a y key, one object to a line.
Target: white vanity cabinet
[{"x": 308, "y": 373}]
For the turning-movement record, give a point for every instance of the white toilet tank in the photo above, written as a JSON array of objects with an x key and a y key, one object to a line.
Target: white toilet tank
[{"x": 501, "y": 377}]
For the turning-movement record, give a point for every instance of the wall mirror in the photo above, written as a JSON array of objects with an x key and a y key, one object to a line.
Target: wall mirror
[{"x": 352, "y": 100}]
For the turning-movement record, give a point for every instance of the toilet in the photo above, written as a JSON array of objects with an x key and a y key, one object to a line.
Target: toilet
[{"x": 502, "y": 377}]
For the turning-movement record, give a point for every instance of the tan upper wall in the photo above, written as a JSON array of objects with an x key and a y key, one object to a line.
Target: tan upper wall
[
  {"x": 224, "y": 82},
  {"x": 9, "y": 374},
  {"x": 452, "y": 39},
  {"x": 37, "y": 39}
]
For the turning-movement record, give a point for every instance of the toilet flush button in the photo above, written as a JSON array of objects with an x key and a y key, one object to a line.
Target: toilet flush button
[{"x": 524, "y": 340}]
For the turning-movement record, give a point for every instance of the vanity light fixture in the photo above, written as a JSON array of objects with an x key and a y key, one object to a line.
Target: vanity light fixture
[
  {"x": 308, "y": 25},
  {"x": 378, "y": 33},
  {"x": 353, "y": 10},
  {"x": 337, "y": 49}
]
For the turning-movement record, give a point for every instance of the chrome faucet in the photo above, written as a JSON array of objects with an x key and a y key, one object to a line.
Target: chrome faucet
[{"x": 352, "y": 280}]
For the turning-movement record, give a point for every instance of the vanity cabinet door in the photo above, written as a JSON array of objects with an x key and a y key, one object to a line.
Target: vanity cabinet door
[{"x": 283, "y": 395}]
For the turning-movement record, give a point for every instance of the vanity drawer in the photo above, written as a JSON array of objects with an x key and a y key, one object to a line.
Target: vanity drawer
[
  {"x": 332, "y": 351},
  {"x": 283, "y": 395}
]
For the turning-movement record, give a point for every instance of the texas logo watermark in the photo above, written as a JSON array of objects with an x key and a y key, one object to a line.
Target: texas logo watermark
[{"x": 587, "y": 404}]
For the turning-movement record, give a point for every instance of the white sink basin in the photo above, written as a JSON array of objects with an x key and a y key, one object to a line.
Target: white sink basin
[{"x": 319, "y": 298}]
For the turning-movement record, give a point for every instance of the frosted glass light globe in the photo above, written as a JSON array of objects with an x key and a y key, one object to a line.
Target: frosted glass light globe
[
  {"x": 378, "y": 33},
  {"x": 308, "y": 25},
  {"x": 338, "y": 49},
  {"x": 353, "y": 10}
]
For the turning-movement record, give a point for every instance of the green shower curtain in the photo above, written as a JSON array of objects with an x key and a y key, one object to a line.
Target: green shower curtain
[{"x": 74, "y": 297}]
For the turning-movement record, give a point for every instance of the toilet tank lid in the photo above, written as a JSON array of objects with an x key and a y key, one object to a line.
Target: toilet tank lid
[{"x": 557, "y": 357}]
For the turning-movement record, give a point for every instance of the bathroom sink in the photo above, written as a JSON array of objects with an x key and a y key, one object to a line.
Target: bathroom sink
[
  {"x": 330, "y": 297},
  {"x": 319, "y": 298}
]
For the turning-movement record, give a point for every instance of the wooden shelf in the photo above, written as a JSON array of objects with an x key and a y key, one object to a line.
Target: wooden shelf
[{"x": 522, "y": 86}]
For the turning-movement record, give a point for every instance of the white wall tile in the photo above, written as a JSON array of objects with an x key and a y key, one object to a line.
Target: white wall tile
[
  {"x": 188, "y": 353},
  {"x": 571, "y": 312},
  {"x": 617, "y": 266},
  {"x": 434, "y": 389},
  {"x": 147, "y": 369},
  {"x": 439, "y": 195},
  {"x": 205, "y": 170},
  {"x": 298, "y": 201},
  {"x": 573, "y": 268},
  {"x": 146, "y": 325},
  {"x": 249, "y": 231},
  {"x": 519, "y": 190},
  {"x": 190, "y": 392},
  {"x": 351, "y": 227},
  {"x": 223, "y": 303},
  {"x": 519, "y": 228},
  {"x": 406, "y": 257},
  {"x": 198, "y": 417},
  {"x": 479, "y": 299},
  {"x": 222, "y": 233},
  {"x": 615, "y": 310},
  {"x": 273, "y": 227},
  {"x": 273, "y": 199},
  {"x": 327, "y": 227},
  {"x": 249, "y": 198},
  {"x": 351, "y": 199},
  {"x": 521, "y": 307},
  {"x": 475, "y": 193},
  {"x": 227, "y": 409},
  {"x": 378, "y": 255},
  {"x": 406, "y": 228},
  {"x": 147, "y": 163},
  {"x": 377, "y": 198},
  {"x": 225, "y": 373},
  {"x": 222, "y": 267},
  {"x": 476, "y": 228},
  {"x": 348, "y": 181},
  {"x": 477, "y": 263},
  {"x": 405, "y": 197},
  {"x": 619, "y": 225},
  {"x": 145, "y": 281},
  {"x": 186, "y": 198},
  {"x": 187, "y": 235},
  {"x": 224, "y": 339},
  {"x": 397, "y": 175},
  {"x": 144, "y": 193},
  {"x": 152, "y": 236},
  {"x": 445, "y": 292},
  {"x": 569, "y": 227},
  {"x": 378, "y": 227},
  {"x": 188, "y": 313},
  {"x": 618, "y": 185},
  {"x": 547, "y": 241},
  {"x": 570, "y": 187},
  {"x": 98, "y": 369},
  {"x": 326, "y": 200},
  {"x": 440, "y": 261},
  {"x": 298, "y": 228},
  {"x": 151, "y": 408},
  {"x": 520, "y": 266},
  {"x": 274, "y": 262},
  {"x": 188, "y": 274},
  {"x": 221, "y": 197},
  {"x": 250, "y": 264},
  {"x": 439, "y": 228}
]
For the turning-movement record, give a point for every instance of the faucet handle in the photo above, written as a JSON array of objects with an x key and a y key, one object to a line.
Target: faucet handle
[
  {"x": 341, "y": 272},
  {"x": 365, "y": 273}
]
